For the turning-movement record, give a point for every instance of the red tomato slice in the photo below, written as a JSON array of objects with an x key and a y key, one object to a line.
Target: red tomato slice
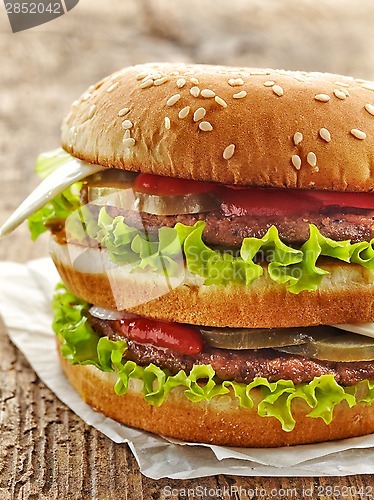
[
  {"x": 254, "y": 201},
  {"x": 357, "y": 200},
  {"x": 266, "y": 202},
  {"x": 169, "y": 186},
  {"x": 180, "y": 338},
  {"x": 278, "y": 202}
]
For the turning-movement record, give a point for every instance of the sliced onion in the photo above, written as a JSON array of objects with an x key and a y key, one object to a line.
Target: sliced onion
[
  {"x": 127, "y": 199},
  {"x": 107, "y": 314}
]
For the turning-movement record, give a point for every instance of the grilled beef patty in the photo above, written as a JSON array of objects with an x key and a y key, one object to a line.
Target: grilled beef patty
[
  {"x": 337, "y": 223},
  {"x": 241, "y": 366}
]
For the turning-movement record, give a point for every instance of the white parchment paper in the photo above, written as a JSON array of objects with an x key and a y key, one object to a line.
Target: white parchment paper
[{"x": 25, "y": 307}]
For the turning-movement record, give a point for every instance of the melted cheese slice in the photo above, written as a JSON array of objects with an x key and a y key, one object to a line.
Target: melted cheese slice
[{"x": 71, "y": 171}]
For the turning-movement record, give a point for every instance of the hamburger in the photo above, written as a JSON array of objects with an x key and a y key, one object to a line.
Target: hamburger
[{"x": 223, "y": 222}]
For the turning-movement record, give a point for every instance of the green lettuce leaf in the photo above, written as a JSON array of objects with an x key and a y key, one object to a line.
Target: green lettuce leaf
[
  {"x": 60, "y": 207},
  {"x": 295, "y": 268},
  {"x": 81, "y": 345}
]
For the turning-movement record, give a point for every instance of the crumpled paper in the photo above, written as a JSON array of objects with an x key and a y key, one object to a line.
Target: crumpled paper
[{"x": 25, "y": 307}]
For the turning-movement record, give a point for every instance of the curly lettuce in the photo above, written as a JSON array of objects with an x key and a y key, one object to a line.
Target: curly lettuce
[
  {"x": 297, "y": 269},
  {"x": 81, "y": 345}
]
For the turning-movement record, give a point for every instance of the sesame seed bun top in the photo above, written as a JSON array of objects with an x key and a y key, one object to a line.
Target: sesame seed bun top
[{"x": 245, "y": 126}]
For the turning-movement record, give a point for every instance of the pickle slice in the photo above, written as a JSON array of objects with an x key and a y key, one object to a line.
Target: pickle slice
[
  {"x": 112, "y": 196},
  {"x": 260, "y": 338},
  {"x": 339, "y": 347},
  {"x": 128, "y": 199},
  {"x": 113, "y": 177}
]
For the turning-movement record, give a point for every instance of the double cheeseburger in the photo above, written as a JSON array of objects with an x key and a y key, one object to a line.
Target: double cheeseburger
[{"x": 227, "y": 223}]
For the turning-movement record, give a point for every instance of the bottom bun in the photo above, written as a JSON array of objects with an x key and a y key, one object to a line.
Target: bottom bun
[{"x": 220, "y": 421}]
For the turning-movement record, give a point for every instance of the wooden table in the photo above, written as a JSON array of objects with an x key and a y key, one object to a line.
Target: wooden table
[{"x": 46, "y": 451}]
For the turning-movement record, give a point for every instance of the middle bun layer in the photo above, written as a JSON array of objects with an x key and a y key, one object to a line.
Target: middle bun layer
[{"x": 346, "y": 295}]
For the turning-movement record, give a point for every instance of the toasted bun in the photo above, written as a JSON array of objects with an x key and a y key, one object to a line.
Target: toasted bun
[
  {"x": 260, "y": 121},
  {"x": 221, "y": 420},
  {"x": 346, "y": 295}
]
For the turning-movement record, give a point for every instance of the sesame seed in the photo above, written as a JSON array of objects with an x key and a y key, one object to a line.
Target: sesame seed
[
  {"x": 340, "y": 94},
  {"x": 208, "y": 93},
  {"x": 368, "y": 86},
  {"x": 277, "y": 89},
  {"x": 155, "y": 76},
  {"x": 220, "y": 101},
  {"x": 181, "y": 82},
  {"x": 112, "y": 87},
  {"x": 325, "y": 134},
  {"x": 370, "y": 108},
  {"x": 195, "y": 91},
  {"x": 140, "y": 76},
  {"x": 269, "y": 83},
  {"x": 173, "y": 100},
  {"x": 174, "y": 73},
  {"x": 229, "y": 152},
  {"x": 205, "y": 127},
  {"x": 129, "y": 142},
  {"x": 311, "y": 159},
  {"x": 91, "y": 111},
  {"x": 322, "y": 97},
  {"x": 296, "y": 161},
  {"x": 359, "y": 134},
  {"x": 195, "y": 81},
  {"x": 184, "y": 112},
  {"x": 240, "y": 95},
  {"x": 127, "y": 134},
  {"x": 342, "y": 84},
  {"x": 160, "y": 81},
  {"x": 167, "y": 123},
  {"x": 297, "y": 138},
  {"x": 146, "y": 84},
  {"x": 127, "y": 124},
  {"x": 86, "y": 97},
  {"x": 299, "y": 78},
  {"x": 123, "y": 111},
  {"x": 199, "y": 114},
  {"x": 236, "y": 82}
]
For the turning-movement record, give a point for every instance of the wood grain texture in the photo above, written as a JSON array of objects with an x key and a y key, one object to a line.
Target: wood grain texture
[{"x": 46, "y": 451}]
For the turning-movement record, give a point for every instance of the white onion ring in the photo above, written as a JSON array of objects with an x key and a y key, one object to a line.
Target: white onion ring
[{"x": 107, "y": 314}]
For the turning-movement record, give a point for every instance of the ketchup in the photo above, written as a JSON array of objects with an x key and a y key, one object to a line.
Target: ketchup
[
  {"x": 169, "y": 186},
  {"x": 179, "y": 338}
]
